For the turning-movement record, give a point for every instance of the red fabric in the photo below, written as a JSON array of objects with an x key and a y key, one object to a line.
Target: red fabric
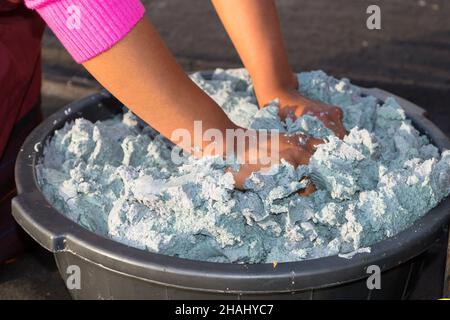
[{"x": 20, "y": 65}]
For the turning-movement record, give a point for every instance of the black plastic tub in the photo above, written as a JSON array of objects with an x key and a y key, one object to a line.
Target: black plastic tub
[{"x": 111, "y": 270}]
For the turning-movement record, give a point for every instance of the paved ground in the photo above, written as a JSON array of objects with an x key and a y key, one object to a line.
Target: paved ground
[{"x": 410, "y": 56}]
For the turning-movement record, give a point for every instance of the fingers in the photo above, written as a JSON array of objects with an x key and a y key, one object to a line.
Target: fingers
[
  {"x": 244, "y": 172},
  {"x": 299, "y": 105},
  {"x": 340, "y": 131},
  {"x": 332, "y": 119},
  {"x": 310, "y": 188},
  {"x": 338, "y": 116},
  {"x": 312, "y": 143},
  {"x": 307, "y": 142},
  {"x": 294, "y": 154},
  {"x": 238, "y": 179},
  {"x": 338, "y": 112},
  {"x": 337, "y": 128}
]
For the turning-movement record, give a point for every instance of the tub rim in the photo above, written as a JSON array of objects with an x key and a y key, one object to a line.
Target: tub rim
[{"x": 57, "y": 233}]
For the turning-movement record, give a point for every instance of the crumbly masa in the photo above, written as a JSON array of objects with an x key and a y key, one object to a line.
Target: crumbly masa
[{"x": 116, "y": 178}]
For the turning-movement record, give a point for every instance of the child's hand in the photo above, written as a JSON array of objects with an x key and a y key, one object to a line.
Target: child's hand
[
  {"x": 296, "y": 149},
  {"x": 294, "y": 105}
]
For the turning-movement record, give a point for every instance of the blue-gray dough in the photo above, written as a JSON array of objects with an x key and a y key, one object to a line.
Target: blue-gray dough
[{"x": 116, "y": 178}]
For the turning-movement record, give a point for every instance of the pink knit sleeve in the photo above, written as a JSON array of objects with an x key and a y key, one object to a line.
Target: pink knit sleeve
[{"x": 87, "y": 28}]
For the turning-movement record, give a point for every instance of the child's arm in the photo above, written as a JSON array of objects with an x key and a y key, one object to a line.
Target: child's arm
[{"x": 254, "y": 28}]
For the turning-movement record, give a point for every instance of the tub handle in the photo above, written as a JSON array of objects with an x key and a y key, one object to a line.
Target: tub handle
[{"x": 39, "y": 219}]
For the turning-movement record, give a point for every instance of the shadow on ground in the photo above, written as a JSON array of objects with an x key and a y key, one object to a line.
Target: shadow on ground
[{"x": 32, "y": 275}]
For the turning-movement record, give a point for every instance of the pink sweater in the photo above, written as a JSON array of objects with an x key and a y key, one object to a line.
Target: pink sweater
[{"x": 87, "y": 28}]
